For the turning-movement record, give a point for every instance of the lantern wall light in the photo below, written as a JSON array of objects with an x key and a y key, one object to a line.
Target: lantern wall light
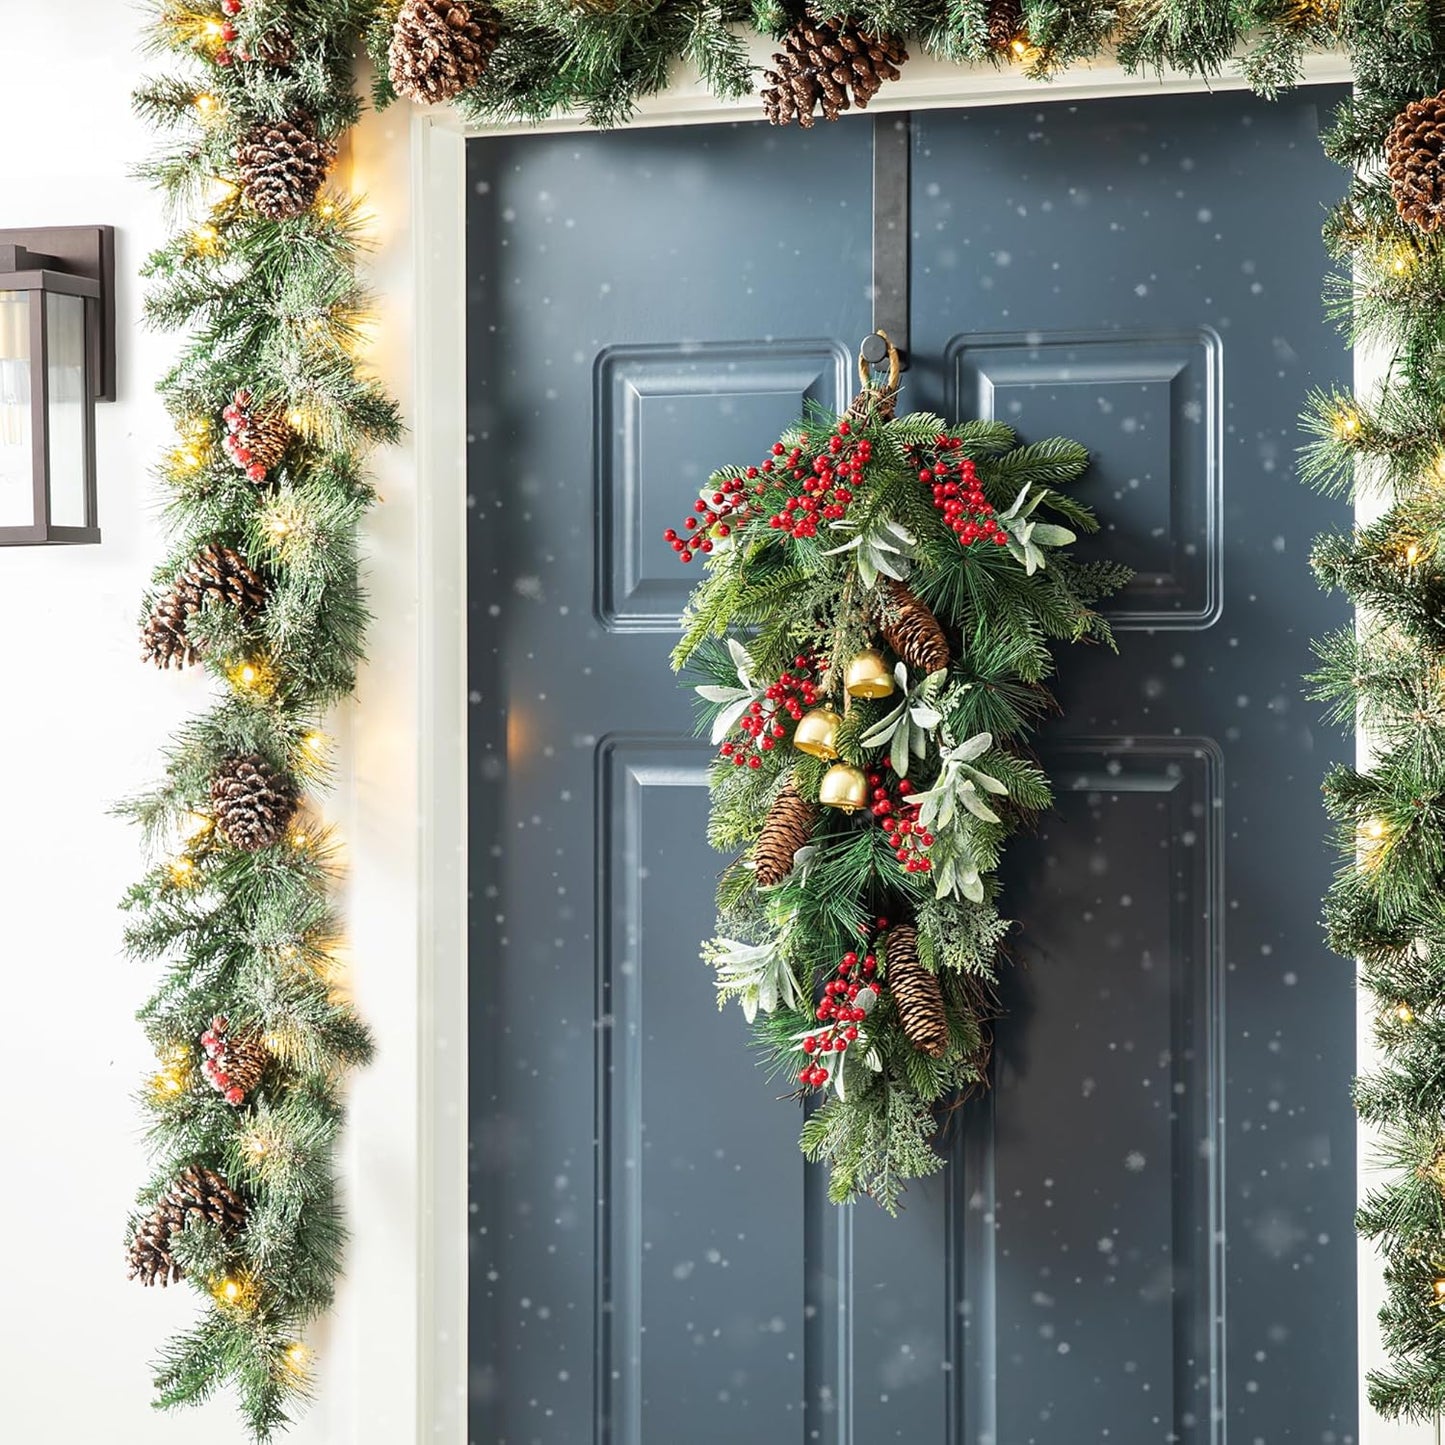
[{"x": 57, "y": 359}]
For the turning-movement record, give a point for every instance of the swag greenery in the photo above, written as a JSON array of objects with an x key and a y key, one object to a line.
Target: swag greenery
[{"x": 947, "y": 750}]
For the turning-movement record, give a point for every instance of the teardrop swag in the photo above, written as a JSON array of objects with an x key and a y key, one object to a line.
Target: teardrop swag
[{"x": 874, "y": 632}]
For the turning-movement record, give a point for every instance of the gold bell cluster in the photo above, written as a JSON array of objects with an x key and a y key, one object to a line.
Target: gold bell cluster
[{"x": 843, "y": 787}]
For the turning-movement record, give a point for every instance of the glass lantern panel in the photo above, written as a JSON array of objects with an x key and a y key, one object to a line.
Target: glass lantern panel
[
  {"x": 66, "y": 405},
  {"x": 17, "y": 455}
]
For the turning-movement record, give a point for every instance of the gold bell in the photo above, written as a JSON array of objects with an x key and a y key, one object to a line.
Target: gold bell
[
  {"x": 844, "y": 787},
  {"x": 868, "y": 675},
  {"x": 817, "y": 733}
]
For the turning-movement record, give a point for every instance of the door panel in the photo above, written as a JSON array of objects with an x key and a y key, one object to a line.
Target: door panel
[
  {"x": 1145, "y": 277},
  {"x": 1144, "y": 1232},
  {"x": 652, "y": 1260}
]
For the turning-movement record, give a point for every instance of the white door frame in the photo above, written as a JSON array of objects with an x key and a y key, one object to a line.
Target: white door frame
[{"x": 408, "y": 1159}]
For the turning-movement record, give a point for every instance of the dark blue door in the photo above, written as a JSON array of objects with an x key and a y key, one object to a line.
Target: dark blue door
[{"x": 1144, "y": 1234}]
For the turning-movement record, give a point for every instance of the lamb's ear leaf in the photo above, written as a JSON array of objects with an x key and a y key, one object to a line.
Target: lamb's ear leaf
[
  {"x": 971, "y": 748},
  {"x": 726, "y": 718},
  {"x": 898, "y": 751},
  {"x": 880, "y": 732},
  {"x": 1017, "y": 503},
  {"x": 986, "y": 781},
  {"x": 976, "y": 805}
]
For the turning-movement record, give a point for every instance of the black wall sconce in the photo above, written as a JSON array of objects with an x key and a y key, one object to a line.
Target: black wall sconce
[{"x": 57, "y": 359}]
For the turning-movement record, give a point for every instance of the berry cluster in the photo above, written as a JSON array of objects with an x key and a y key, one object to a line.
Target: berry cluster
[
  {"x": 840, "y": 1012},
  {"x": 238, "y": 421},
  {"x": 827, "y": 482},
  {"x": 226, "y": 33},
  {"x": 217, "y": 1061},
  {"x": 792, "y": 693},
  {"x": 958, "y": 495},
  {"x": 899, "y": 819},
  {"x": 714, "y": 519}
]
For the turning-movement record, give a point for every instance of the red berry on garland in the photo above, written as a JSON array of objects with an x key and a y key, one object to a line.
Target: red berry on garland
[
  {"x": 259, "y": 435},
  {"x": 234, "y": 1064}
]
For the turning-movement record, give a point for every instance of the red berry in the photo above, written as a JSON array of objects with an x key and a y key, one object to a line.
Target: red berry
[
  {"x": 755, "y": 761},
  {"x": 231, "y": 7}
]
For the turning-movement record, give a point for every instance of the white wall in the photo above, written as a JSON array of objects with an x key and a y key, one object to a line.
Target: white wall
[{"x": 81, "y": 721}]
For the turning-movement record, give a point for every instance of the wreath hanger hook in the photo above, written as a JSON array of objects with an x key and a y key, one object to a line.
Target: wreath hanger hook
[{"x": 877, "y": 348}]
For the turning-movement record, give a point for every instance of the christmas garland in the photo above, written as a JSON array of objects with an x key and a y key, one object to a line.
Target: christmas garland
[
  {"x": 532, "y": 58},
  {"x": 509, "y": 60},
  {"x": 264, "y": 497},
  {"x": 1387, "y": 904},
  {"x": 874, "y": 633},
  {"x": 261, "y": 590}
]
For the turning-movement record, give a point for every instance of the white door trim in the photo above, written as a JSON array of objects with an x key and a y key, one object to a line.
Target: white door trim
[{"x": 411, "y": 164}]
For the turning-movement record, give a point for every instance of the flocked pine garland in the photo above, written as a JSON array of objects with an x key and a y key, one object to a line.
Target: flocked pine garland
[
  {"x": 273, "y": 300},
  {"x": 265, "y": 492}
]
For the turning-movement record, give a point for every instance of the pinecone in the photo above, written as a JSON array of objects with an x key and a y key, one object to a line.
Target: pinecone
[
  {"x": 215, "y": 571},
  {"x": 275, "y": 48},
  {"x": 911, "y": 630},
  {"x": 1005, "y": 18},
  {"x": 283, "y": 163},
  {"x": 234, "y": 1063},
  {"x": 198, "y": 1193},
  {"x": 916, "y": 992},
  {"x": 163, "y": 638},
  {"x": 821, "y": 61},
  {"x": 220, "y": 571},
  {"x": 788, "y": 827},
  {"x": 440, "y": 48},
  {"x": 256, "y": 436},
  {"x": 252, "y": 802},
  {"x": 1413, "y": 160}
]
